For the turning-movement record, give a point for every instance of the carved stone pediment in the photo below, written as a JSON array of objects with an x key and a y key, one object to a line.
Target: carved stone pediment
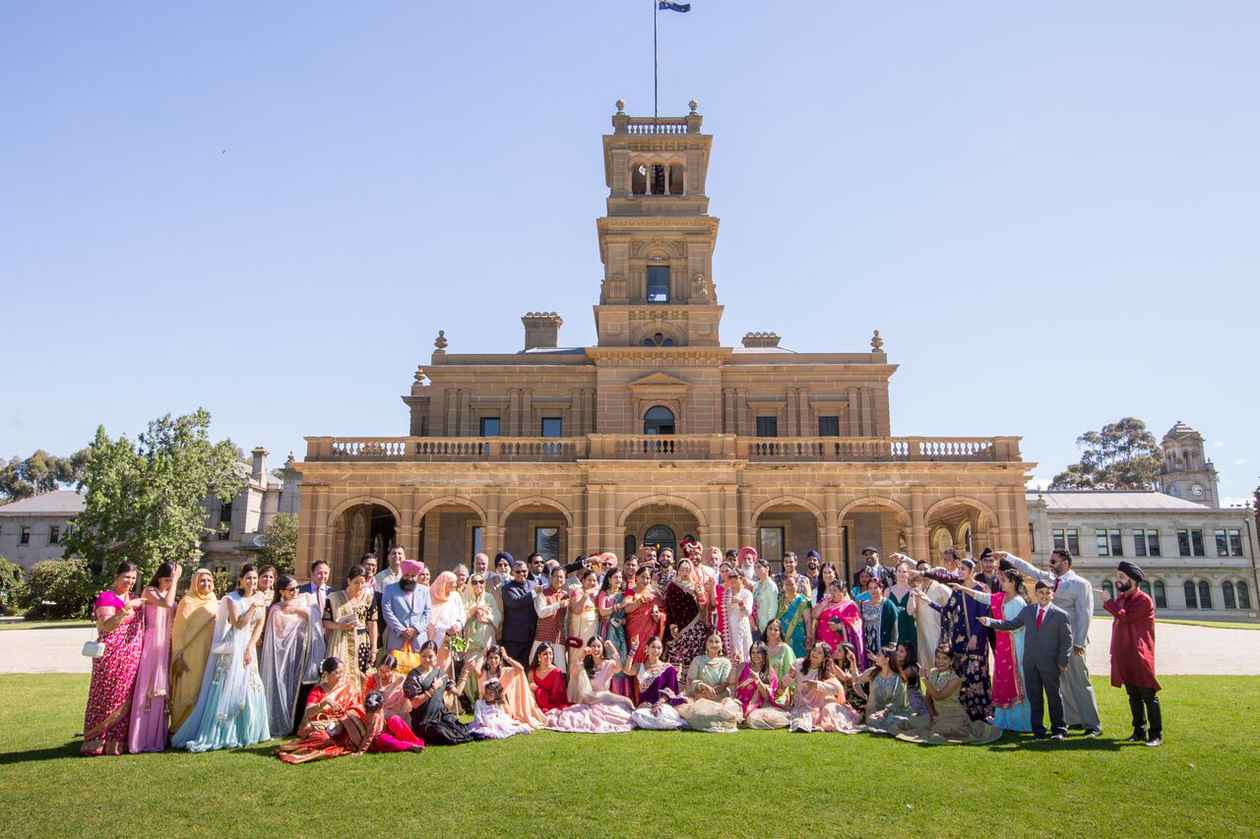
[{"x": 659, "y": 385}]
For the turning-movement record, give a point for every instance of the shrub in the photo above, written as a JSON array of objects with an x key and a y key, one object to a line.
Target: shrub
[
  {"x": 12, "y": 586},
  {"x": 59, "y": 588}
]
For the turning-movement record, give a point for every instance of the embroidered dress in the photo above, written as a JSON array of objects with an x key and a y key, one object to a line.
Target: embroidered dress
[
  {"x": 148, "y": 703},
  {"x": 682, "y": 610},
  {"x": 107, "y": 718},
  {"x": 793, "y": 618},
  {"x": 613, "y": 628},
  {"x": 967, "y": 637}
]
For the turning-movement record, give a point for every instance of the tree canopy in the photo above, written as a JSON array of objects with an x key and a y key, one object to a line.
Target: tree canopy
[
  {"x": 41, "y": 472},
  {"x": 145, "y": 500},
  {"x": 1120, "y": 455}
]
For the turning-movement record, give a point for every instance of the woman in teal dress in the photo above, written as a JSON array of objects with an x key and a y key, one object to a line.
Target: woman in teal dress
[
  {"x": 711, "y": 707},
  {"x": 795, "y": 618},
  {"x": 612, "y": 612},
  {"x": 231, "y": 709},
  {"x": 897, "y": 625}
]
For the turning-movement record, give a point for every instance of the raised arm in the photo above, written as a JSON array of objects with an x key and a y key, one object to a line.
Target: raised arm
[
  {"x": 1028, "y": 569},
  {"x": 1138, "y": 610},
  {"x": 1011, "y": 625}
]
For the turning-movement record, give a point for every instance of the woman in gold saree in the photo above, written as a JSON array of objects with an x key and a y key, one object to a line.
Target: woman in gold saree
[{"x": 191, "y": 634}]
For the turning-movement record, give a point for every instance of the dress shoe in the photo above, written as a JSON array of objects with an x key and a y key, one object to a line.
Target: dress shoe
[{"x": 1155, "y": 741}]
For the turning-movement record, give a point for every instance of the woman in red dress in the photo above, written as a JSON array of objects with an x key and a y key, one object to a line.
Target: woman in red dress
[
  {"x": 645, "y": 618},
  {"x": 547, "y": 680}
]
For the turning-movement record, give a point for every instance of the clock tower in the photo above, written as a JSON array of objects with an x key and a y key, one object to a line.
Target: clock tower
[{"x": 1187, "y": 473}]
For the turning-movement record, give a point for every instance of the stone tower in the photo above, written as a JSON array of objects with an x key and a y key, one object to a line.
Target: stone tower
[
  {"x": 1187, "y": 473},
  {"x": 656, "y": 242}
]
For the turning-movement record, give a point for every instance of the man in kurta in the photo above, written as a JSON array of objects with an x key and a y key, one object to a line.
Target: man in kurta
[
  {"x": 1075, "y": 596},
  {"x": 1133, "y": 653}
]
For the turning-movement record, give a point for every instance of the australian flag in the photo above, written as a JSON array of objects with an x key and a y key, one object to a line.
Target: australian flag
[{"x": 666, "y": 6}]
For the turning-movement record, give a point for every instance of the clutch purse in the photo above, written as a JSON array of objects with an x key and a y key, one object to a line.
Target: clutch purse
[{"x": 93, "y": 649}]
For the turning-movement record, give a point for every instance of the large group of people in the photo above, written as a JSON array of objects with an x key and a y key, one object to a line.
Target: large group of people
[{"x": 396, "y": 659}]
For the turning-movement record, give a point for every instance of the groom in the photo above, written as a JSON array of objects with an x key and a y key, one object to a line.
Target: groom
[{"x": 1047, "y": 648}]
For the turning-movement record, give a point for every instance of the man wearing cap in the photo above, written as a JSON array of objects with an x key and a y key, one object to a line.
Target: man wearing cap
[
  {"x": 873, "y": 567},
  {"x": 406, "y": 607},
  {"x": 1133, "y": 652}
]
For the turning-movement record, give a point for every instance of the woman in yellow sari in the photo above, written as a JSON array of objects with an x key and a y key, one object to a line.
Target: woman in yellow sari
[
  {"x": 191, "y": 634},
  {"x": 353, "y": 640}
]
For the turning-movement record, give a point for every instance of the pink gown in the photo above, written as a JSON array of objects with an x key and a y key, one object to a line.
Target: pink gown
[
  {"x": 600, "y": 711},
  {"x": 148, "y": 703}
]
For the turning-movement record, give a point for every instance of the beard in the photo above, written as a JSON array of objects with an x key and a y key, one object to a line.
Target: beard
[
  {"x": 407, "y": 585},
  {"x": 1124, "y": 585}
]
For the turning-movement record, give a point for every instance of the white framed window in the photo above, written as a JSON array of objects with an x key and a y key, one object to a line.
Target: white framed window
[{"x": 1108, "y": 542}]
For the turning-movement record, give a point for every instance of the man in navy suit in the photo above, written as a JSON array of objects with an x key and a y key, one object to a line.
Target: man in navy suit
[
  {"x": 316, "y": 649},
  {"x": 1047, "y": 647}
]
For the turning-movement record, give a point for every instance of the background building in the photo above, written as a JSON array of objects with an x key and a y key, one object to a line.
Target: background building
[
  {"x": 1199, "y": 557},
  {"x": 659, "y": 430},
  {"x": 32, "y": 529}
]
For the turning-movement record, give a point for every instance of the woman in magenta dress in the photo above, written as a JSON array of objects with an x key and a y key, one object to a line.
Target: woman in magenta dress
[
  {"x": 148, "y": 702},
  {"x": 107, "y": 718},
  {"x": 547, "y": 680},
  {"x": 838, "y": 620},
  {"x": 758, "y": 691}
]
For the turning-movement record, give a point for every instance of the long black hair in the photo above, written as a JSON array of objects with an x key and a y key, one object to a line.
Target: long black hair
[
  {"x": 588, "y": 661},
  {"x": 495, "y": 650},
  {"x": 760, "y": 647},
  {"x": 240, "y": 575},
  {"x": 826, "y": 648},
  {"x": 282, "y": 582},
  {"x": 164, "y": 571},
  {"x": 538, "y": 651}
]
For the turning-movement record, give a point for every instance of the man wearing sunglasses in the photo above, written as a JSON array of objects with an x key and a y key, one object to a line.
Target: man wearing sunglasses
[{"x": 519, "y": 618}]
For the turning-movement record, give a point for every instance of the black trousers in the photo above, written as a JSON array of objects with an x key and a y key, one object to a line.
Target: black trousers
[
  {"x": 519, "y": 651},
  {"x": 1039, "y": 679},
  {"x": 1144, "y": 705},
  {"x": 299, "y": 710}
]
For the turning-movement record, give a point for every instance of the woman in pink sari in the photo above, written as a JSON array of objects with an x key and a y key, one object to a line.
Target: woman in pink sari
[
  {"x": 758, "y": 691},
  {"x": 838, "y": 620},
  {"x": 148, "y": 703},
  {"x": 107, "y": 718}
]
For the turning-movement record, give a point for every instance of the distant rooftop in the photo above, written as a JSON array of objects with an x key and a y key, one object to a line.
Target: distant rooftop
[
  {"x": 60, "y": 502},
  {"x": 1103, "y": 499}
]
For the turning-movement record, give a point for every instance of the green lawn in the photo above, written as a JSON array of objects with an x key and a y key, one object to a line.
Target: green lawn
[
  {"x": 72, "y": 623},
  {"x": 651, "y": 783}
]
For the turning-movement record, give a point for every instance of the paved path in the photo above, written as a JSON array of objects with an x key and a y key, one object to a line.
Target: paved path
[{"x": 1180, "y": 650}]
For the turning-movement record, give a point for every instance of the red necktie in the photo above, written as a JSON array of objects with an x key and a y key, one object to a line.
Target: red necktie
[{"x": 1041, "y": 613}]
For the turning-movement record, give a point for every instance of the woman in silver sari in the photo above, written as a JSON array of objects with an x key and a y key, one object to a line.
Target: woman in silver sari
[{"x": 285, "y": 647}]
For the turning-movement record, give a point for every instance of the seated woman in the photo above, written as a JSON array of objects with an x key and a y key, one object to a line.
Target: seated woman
[
  {"x": 950, "y": 723},
  {"x": 886, "y": 694},
  {"x": 913, "y": 716},
  {"x": 599, "y": 710},
  {"x": 711, "y": 707},
  {"x": 847, "y": 671},
  {"x": 819, "y": 702},
  {"x": 491, "y": 720},
  {"x": 758, "y": 691},
  {"x": 658, "y": 689},
  {"x": 425, "y": 688},
  {"x": 517, "y": 696},
  {"x": 330, "y": 726},
  {"x": 782, "y": 658},
  {"x": 547, "y": 680},
  {"x": 389, "y": 682}
]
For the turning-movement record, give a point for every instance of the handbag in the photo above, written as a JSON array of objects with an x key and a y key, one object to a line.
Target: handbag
[
  {"x": 94, "y": 649},
  {"x": 405, "y": 659}
]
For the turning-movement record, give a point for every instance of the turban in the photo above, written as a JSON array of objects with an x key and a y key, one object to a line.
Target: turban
[
  {"x": 410, "y": 567},
  {"x": 1132, "y": 571},
  {"x": 746, "y": 553},
  {"x": 813, "y": 553},
  {"x": 503, "y": 555}
]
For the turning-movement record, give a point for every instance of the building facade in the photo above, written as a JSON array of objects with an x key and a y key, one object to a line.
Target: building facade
[
  {"x": 659, "y": 430},
  {"x": 1186, "y": 472},
  {"x": 33, "y": 529},
  {"x": 1197, "y": 559}
]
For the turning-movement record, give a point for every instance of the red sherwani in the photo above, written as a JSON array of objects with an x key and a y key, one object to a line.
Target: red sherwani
[{"x": 1133, "y": 640}]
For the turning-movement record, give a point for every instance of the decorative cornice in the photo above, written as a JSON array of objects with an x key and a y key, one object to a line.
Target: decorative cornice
[{"x": 657, "y": 357}]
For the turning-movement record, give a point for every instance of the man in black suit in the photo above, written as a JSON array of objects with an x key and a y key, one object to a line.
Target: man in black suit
[{"x": 1047, "y": 645}]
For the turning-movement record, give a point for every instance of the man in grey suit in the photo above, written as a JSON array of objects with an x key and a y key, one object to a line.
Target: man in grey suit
[
  {"x": 1047, "y": 648},
  {"x": 1074, "y": 595}
]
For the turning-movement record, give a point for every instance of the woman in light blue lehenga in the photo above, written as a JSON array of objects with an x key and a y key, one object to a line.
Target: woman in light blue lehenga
[{"x": 231, "y": 709}]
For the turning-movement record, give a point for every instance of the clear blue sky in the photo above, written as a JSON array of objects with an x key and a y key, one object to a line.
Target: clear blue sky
[{"x": 270, "y": 209}]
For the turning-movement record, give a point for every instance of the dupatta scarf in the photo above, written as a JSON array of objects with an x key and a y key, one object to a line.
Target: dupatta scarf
[
  {"x": 106, "y": 720},
  {"x": 1008, "y": 688},
  {"x": 191, "y": 635},
  {"x": 284, "y": 651},
  {"x": 792, "y": 617}
]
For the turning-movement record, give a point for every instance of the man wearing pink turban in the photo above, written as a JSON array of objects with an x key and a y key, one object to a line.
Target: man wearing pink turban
[{"x": 406, "y": 608}]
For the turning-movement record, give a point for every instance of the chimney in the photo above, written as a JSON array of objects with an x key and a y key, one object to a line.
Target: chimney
[
  {"x": 542, "y": 329},
  {"x": 761, "y": 339},
  {"x": 259, "y": 469}
]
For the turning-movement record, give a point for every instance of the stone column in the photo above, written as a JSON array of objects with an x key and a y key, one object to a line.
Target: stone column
[
  {"x": 918, "y": 526},
  {"x": 747, "y": 527},
  {"x": 594, "y": 517},
  {"x": 494, "y": 528}
]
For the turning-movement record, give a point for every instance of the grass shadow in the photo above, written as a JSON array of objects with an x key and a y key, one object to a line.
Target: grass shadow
[{"x": 70, "y": 749}]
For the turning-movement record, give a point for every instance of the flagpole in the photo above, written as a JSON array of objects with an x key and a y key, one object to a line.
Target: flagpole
[{"x": 655, "y": 106}]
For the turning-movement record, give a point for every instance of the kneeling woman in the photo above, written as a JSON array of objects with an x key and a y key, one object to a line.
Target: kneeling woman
[
  {"x": 820, "y": 699},
  {"x": 231, "y": 709},
  {"x": 658, "y": 690},
  {"x": 426, "y": 688},
  {"x": 599, "y": 709},
  {"x": 708, "y": 686},
  {"x": 331, "y": 727}
]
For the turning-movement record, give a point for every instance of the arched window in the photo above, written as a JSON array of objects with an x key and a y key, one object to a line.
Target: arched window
[
  {"x": 638, "y": 179},
  {"x": 1145, "y": 586},
  {"x": 1109, "y": 588},
  {"x": 1244, "y": 596},
  {"x": 1205, "y": 595},
  {"x": 1160, "y": 595},
  {"x": 661, "y": 537},
  {"x": 658, "y": 420},
  {"x": 658, "y": 179},
  {"x": 1192, "y": 601},
  {"x": 658, "y": 340},
  {"x": 1227, "y": 592}
]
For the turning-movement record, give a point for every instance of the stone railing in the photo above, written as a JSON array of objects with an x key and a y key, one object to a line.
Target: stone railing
[
  {"x": 665, "y": 447},
  {"x": 626, "y": 124}
]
